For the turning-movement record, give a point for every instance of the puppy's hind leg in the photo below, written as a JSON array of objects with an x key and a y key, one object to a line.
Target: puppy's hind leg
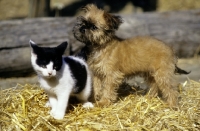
[
  {"x": 153, "y": 87},
  {"x": 164, "y": 79}
]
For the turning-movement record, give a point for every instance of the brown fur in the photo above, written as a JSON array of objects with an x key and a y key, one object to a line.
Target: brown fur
[{"x": 111, "y": 59}]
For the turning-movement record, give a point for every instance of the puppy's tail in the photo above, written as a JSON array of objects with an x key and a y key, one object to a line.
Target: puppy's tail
[{"x": 180, "y": 71}]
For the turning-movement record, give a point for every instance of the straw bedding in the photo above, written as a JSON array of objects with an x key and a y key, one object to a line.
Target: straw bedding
[{"x": 22, "y": 108}]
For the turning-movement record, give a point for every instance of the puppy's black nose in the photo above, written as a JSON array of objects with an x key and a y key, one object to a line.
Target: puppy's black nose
[{"x": 82, "y": 30}]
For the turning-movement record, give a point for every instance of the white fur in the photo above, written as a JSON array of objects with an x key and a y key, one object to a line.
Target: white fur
[
  {"x": 44, "y": 72},
  {"x": 59, "y": 86},
  {"x": 50, "y": 71}
]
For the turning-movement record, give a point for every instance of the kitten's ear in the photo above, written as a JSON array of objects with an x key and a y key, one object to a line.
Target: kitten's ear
[
  {"x": 61, "y": 48},
  {"x": 35, "y": 48}
]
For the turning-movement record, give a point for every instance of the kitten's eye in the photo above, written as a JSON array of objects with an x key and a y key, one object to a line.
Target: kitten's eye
[
  {"x": 94, "y": 27},
  {"x": 43, "y": 66}
]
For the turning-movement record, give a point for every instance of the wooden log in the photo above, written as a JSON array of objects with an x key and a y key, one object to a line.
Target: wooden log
[{"x": 180, "y": 30}]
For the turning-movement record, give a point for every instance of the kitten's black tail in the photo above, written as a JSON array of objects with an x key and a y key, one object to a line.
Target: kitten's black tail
[{"x": 180, "y": 71}]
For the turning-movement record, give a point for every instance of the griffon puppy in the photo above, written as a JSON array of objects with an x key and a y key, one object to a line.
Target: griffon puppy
[{"x": 111, "y": 58}]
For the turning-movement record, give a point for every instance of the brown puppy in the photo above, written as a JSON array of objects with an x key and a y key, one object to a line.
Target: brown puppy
[{"x": 111, "y": 58}]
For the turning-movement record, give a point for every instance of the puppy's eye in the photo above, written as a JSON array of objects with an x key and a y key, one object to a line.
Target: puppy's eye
[{"x": 94, "y": 27}]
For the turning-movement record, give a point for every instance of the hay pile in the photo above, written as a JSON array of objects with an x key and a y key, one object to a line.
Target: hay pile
[{"x": 22, "y": 108}]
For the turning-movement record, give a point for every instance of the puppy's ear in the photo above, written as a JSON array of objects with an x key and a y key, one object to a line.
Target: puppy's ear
[{"x": 112, "y": 21}]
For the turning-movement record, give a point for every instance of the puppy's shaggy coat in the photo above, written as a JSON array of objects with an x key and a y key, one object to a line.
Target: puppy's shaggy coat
[{"x": 111, "y": 58}]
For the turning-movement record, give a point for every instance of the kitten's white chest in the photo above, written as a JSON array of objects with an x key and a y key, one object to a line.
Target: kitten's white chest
[{"x": 48, "y": 84}]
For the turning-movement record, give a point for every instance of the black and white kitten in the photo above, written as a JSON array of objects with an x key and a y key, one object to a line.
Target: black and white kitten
[{"x": 61, "y": 77}]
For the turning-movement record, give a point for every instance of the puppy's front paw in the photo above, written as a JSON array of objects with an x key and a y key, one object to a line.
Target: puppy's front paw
[
  {"x": 103, "y": 102},
  {"x": 57, "y": 115},
  {"x": 88, "y": 105}
]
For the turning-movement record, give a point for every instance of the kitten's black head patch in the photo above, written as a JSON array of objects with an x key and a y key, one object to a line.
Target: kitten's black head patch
[
  {"x": 47, "y": 54},
  {"x": 36, "y": 49}
]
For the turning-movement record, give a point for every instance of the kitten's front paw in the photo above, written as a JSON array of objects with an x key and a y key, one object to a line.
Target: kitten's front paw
[
  {"x": 88, "y": 105},
  {"x": 57, "y": 115}
]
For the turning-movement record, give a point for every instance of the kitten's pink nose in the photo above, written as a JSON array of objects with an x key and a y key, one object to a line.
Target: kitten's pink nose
[{"x": 50, "y": 74}]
